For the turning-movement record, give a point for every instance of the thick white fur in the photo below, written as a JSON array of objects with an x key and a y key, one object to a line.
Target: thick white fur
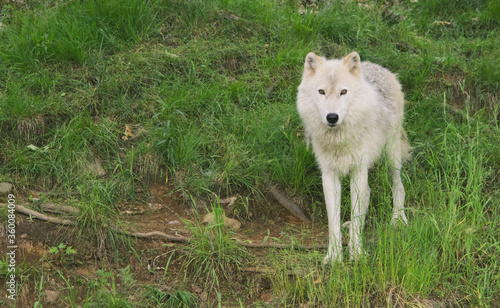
[{"x": 370, "y": 116}]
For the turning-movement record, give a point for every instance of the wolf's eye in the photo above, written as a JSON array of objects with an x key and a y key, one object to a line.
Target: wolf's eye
[
  {"x": 321, "y": 91},
  {"x": 343, "y": 92}
]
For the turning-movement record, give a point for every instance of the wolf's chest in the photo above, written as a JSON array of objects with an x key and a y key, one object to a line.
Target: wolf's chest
[{"x": 344, "y": 151}]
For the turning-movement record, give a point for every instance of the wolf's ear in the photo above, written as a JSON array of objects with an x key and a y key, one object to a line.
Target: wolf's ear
[
  {"x": 353, "y": 63},
  {"x": 312, "y": 62}
]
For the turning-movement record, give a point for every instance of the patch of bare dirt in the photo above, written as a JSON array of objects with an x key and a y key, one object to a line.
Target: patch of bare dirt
[{"x": 166, "y": 212}]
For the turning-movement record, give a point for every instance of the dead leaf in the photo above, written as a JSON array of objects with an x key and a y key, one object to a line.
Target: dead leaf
[{"x": 128, "y": 132}]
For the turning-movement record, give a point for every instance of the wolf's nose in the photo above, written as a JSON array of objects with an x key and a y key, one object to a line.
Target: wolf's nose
[{"x": 332, "y": 118}]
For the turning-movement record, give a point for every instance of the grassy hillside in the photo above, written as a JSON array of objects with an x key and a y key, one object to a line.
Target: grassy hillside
[{"x": 99, "y": 100}]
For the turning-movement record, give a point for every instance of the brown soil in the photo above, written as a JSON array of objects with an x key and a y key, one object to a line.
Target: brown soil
[{"x": 97, "y": 250}]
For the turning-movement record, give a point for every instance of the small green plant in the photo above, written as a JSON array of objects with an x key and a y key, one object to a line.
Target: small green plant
[
  {"x": 109, "y": 293},
  {"x": 4, "y": 267},
  {"x": 64, "y": 253}
]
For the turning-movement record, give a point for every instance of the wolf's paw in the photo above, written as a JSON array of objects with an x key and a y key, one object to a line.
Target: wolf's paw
[
  {"x": 332, "y": 258},
  {"x": 356, "y": 256},
  {"x": 398, "y": 219},
  {"x": 356, "y": 251},
  {"x": 346, "y": 224}
]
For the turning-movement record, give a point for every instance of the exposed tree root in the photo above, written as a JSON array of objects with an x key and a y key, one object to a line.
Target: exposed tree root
[
  {"x": 54, "y": 208},
  {"x": 171, "y": 238},
  {"x": 55, "y": 220}
]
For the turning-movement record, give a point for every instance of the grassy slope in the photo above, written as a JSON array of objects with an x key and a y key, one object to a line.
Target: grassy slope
[{"x": 208, "y": 89}]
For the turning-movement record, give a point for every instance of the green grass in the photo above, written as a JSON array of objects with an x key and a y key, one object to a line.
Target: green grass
[
  {"x": 208, "y": 88},
  {"x": 181, "y": 299},
  {"x": 212, "y": 258}
]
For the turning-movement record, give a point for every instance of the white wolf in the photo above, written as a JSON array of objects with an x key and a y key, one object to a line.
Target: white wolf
[{"x": 351, "y": 111}]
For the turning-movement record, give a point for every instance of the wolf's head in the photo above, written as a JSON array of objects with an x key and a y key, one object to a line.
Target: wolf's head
[{"x": 332, "y": 85}]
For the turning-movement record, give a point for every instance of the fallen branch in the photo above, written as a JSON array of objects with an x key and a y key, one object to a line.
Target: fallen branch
[{"x": 287, "y": 203}]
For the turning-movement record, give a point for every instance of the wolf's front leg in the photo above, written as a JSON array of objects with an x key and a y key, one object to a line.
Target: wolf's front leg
[
  {"x": 360, "y": 198},
  {"x": 398, "y": 189},
  {"x": 331, "y": 189}
]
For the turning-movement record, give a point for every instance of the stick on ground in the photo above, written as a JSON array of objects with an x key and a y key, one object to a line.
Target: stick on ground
[{"x": 287, "y": 203}]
